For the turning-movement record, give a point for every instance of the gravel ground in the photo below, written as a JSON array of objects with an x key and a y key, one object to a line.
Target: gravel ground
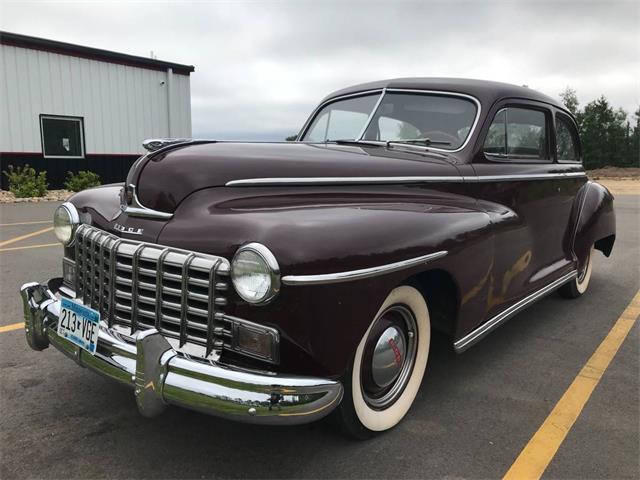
[
  {"x": 50, "y": 196},
  {"x": 615, "y": 172},
  {"x": 621, "y": 186}
]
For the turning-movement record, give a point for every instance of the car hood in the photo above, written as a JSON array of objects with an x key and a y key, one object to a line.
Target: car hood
[{"x": 166, "y": 178}]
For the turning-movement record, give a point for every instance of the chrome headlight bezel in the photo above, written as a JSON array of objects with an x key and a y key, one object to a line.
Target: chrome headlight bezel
[
  {"x": 73, "y": 219},
  {"x": 264, "y": 255}
]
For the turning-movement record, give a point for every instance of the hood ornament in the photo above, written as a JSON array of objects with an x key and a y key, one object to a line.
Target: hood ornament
[{"x": 153, "y": 144}]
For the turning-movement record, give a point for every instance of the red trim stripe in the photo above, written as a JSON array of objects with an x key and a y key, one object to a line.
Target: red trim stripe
[{"x": 24, "y": 154}]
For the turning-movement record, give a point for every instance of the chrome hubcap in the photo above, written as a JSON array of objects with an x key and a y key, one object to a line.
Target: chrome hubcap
[{"x": 388, "y": 357}]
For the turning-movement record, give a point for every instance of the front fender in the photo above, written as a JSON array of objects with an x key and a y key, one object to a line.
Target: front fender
[
  {"x": 593, "y": 221},
  {"x": 321, "y": 230}
]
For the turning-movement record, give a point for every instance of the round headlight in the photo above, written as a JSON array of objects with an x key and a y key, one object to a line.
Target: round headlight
[
  {"x": 255, "y": 273},
  {"x": 65, "y": 221}
]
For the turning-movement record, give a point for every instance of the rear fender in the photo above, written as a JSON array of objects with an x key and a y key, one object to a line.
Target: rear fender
[{"x": 593, "y": 220}]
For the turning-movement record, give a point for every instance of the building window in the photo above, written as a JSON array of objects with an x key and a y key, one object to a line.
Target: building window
[{"x": 62, "y": 137}]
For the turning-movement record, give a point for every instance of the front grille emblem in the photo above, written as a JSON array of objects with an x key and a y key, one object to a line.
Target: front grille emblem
[{"x": 129, "y": 230}]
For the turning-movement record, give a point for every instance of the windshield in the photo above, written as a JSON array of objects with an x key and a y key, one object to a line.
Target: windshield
[{"x": 440, "y": 120}]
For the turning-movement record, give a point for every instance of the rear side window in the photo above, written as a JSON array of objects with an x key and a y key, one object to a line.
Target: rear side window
[
  {"x": 518, "y": 133},
  {"x": 566, "y": 140}
]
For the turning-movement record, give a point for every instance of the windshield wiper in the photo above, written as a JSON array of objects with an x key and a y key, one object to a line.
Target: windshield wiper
[
  {"x": 421, "y": 143},
  {"x": 355, "y": 142},
  {"x": 427, "y": 142}
]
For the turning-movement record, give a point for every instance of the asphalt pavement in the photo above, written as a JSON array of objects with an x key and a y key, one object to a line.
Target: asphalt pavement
[{"x": 473, "y": 416}]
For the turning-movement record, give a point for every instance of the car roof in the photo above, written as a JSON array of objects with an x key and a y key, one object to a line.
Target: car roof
[{"x": 487, "y": 92}]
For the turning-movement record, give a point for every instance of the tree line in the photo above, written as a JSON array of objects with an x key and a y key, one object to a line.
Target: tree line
[{"x": 609, "y": 137}]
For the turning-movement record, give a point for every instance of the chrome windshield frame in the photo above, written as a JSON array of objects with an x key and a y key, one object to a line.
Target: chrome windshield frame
[{"x": 382, "y": 92}]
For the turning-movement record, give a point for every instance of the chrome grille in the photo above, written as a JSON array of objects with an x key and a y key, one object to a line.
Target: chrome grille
[{"x": 139, "y": 285}]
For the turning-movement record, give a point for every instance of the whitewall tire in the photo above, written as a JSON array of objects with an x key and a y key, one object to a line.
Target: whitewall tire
[
  {"x": 579, "y": 285},
  {"x": 388, "y": 365}
]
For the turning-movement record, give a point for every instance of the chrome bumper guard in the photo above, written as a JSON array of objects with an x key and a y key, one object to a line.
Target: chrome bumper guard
[{"x": 161, "y": 376}]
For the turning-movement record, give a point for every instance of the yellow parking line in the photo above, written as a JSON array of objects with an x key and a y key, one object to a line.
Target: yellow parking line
[
  {"x": 24, "y": 223},
  {"x": 538, "y": 453},
  {"x": 13, "y": 326},
  {"x": 24, "y": 237},
  {"x": 11, "y": 249}
]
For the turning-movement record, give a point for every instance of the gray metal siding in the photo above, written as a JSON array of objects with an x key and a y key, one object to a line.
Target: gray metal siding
[{"x": 121, "y": 105}]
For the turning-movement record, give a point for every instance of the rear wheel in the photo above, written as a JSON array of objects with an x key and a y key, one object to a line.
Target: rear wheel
[
  {"x": 578, "y": 286},
  {"x": 388, "y": 366}
]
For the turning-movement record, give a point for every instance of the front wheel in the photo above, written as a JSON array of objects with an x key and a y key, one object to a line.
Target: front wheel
[
  {"x": 578, "y": 286},
  {"x": 388, "y": 366}
]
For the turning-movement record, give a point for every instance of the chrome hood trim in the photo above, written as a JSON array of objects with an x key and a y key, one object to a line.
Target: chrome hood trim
[{"x": 136, "y": 208}]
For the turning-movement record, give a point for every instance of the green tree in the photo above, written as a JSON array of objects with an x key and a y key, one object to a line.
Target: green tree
[
  {"x": 634, "y": 144},
  {"x": 570, "y": 100},
  {"x": 606, "y": 133},
  {"x": 603, "y": 133}
]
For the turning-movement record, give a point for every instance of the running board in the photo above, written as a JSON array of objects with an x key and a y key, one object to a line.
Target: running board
[{"x": 479, "y": 333}]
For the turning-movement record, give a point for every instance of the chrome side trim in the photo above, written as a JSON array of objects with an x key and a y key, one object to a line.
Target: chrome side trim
[
  {"x": 275, "y": 181},
  {"x": 348, "y": 276},
  {"x": 337, "y": 180},
  {"x": 483, "y": 330},
  {"x": 525, "y": 176}
]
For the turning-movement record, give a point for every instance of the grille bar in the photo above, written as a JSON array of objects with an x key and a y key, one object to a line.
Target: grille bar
[
  {"x": 135, "y": 259},
  {"x": 212, "y": 312},
  {"x": 185, "y": 297},
  {"x": 140, "y": 285}
]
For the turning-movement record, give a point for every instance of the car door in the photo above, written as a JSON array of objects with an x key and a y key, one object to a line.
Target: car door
[{"x": 517, "y": 168}]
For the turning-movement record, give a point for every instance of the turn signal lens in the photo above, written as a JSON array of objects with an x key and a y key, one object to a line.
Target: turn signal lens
[{"x": 255, "y": 340}]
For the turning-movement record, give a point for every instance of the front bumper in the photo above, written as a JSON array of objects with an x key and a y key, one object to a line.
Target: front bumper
[{"x": 161, "y": 376}]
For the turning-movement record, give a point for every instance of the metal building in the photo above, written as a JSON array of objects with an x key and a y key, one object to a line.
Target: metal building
[{"x": 66, "y": 107}]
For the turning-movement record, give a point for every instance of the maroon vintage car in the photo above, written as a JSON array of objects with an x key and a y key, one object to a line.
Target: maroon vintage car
[{"x": 274, "y": 283}]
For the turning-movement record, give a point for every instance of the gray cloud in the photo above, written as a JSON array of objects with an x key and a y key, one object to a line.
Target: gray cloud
[{"x": 262, "y": 66}]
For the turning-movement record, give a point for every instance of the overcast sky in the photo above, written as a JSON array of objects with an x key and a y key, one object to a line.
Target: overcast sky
[{"x": 262, "y": 66}]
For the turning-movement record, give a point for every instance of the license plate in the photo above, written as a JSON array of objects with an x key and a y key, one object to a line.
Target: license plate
[{"x": 79, "y": 324}]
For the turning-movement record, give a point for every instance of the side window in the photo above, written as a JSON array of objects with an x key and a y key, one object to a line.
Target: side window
[
  {"x": 496, "y": 141},
  {"x": 518, "y": 133},
  {"x": 526, "y": 134},
  {"x": 566, "y": 140}
]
